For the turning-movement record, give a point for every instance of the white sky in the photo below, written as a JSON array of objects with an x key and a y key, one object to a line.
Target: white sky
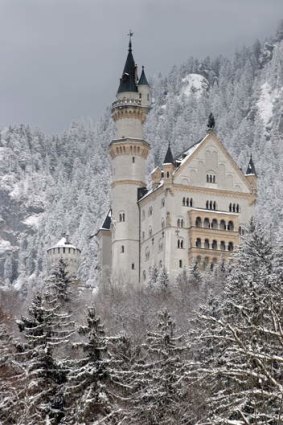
[{"x": 61, "y": 59}]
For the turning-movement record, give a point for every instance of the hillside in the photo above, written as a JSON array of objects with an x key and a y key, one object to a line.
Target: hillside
[{"x": 50, "y": 185}]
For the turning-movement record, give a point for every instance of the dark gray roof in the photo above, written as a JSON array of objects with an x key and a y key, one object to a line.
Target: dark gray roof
[
  {"x": 128, "y": 79},
  {"x": 107, "y": 222},
  {"x": 169, "y": 159},
  {"x": 143, "y": 79},
  {"x": 251, "y": 167}
]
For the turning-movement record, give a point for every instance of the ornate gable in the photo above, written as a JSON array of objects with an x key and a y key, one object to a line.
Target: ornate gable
[{"x": 208, "y": 164}]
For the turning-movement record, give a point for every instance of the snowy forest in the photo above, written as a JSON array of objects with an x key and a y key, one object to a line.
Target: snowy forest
[{"x": 204, "y": 349}]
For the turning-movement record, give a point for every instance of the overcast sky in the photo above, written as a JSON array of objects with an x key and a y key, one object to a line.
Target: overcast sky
[{"x": 61, "y": 59}]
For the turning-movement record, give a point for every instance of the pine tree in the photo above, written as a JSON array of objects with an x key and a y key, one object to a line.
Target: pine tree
[
  {"x": 43, "y": 400},
  {"x": 160, "y": 388},
  {"x": 89, "y": 398},
  {"x": 240, "y": 344},
  {"x": 10, "y": 378}
]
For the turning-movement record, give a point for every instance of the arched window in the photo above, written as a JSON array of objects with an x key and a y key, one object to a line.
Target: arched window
[
  {"x": 222, "y": 225},
  {"x": 180, "y": 243},
  {"x": 230, "y": 226},
  {"x": 198, "y": 222},
  {"x": 207, "y": 205},
  {"x": 230, "y": 246},
  {"x": 238, "y": 208},
  {"x": 214, "y": 244},
  {"x": 214, "y": 224},
  {"x": 234, "y": 207},
  {"x": 122, "y": 249},
  {"x": 191, "y": 202},
  {"x": 206, "y": 223},
  {"x": 207, "y": 178},
  {"x": 210, "y": 205},
  {"x": 184, "y": 201},
  {"x": 206, "y": 262},
  {"x": 230, "y": 207},
  {"x": 147, "y": 253},
  {"x": 198, "y": 242},
  {"x": 122, "y": 216},
  {"x": 222, "y": 246},
  {"x": 178, "y": 222},
  {"x": 214, "y": 205},
  {"x": 206, "y": 244},
  {"x": 167, "y": 174},
  {"x": 198, "y": 260}
]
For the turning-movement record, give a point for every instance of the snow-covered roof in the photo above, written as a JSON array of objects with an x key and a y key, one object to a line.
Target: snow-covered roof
[
  {"x": 64, "y": 243},
  {"x": 187, "y": 153}
]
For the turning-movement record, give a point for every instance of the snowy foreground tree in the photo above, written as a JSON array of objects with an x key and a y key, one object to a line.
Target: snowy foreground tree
[
  {"x": 239, "y": 340},
  {"x": 159, "y": 389},
  {"x": 46, "y": 330},
  {"x": 90, "y": 387}
]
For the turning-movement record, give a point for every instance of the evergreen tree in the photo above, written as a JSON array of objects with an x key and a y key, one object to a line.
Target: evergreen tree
[
  {"x": 160, "y": 389},
  {"x": 42, "y": 400},
  {"x": 240, "y": 345},
  {"x": 89, "y": 398}
]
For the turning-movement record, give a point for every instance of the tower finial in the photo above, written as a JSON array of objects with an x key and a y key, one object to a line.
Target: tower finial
[
  {"x": 130, "y": 35},
  {"x": 211, "y": 122}
]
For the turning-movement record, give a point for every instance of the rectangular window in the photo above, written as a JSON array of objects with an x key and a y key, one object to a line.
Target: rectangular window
[
  {"x": 180, "y": 263},
  {"x": 133, "y": 266}
]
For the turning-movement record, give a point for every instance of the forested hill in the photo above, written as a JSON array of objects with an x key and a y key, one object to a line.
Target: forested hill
[{"x": 51, "y": 185}]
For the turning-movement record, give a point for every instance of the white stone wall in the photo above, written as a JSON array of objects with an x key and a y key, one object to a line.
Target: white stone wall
[
  {"x": 129, "y": 127},
  {"x": 70, "y": 256}
]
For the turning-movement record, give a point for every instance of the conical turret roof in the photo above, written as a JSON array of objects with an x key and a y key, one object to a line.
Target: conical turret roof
[
  {"x": 143, "y": 79},
  {"x": 128, "y": 81},
  {"x": 169, "y": 156},
  {"x": 251, "y": 167}
]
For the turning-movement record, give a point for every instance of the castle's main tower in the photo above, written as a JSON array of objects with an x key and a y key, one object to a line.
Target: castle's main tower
[{"x": 128, "y": 152}]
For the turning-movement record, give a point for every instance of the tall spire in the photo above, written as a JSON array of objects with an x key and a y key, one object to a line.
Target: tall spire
[{"x": 128, "y": 81}]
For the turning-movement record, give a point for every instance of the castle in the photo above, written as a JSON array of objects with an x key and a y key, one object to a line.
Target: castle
[{"x": 195, "y": 209}]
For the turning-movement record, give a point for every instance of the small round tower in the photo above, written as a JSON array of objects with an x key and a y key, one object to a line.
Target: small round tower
[{"x": 66, "y": 251}]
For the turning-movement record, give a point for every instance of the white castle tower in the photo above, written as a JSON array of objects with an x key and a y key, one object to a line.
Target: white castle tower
[
  {"x": 128, "y": 152},
  {"x": 66, "y": 251}
]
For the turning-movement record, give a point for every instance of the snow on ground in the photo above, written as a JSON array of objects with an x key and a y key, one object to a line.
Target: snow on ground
[
  {"x": 4, "y": 246},
  {"x": 194, "y": 84},
  {"x": 33, "y": 220},
  {"x": 266, "y": 102}
]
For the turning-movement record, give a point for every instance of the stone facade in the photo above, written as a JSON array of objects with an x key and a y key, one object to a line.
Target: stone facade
[
  {"x": 66, "y": 251},
  {"x": 195, "y": 211}
]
